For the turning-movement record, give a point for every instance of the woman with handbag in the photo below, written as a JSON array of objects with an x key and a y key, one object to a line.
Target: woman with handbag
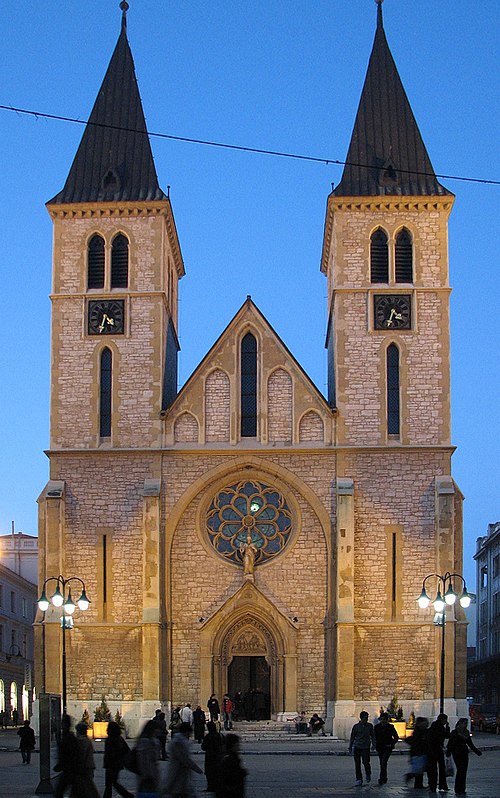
[
  {"x": 418, "y": 753},
  {"x": 458, "y": 746}
]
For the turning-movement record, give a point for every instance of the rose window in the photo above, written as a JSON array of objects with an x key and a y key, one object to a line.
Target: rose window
[{"x": 249, "y": 514}]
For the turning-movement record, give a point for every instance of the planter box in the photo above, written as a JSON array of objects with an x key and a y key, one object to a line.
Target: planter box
[
  {"x": 400, "y": 726},
  {"x": 100, "y": 729}
]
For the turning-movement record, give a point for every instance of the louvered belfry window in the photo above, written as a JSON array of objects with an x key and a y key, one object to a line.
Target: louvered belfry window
[
  {"x": 95, "y": 262},
  {"x": 249, "y": 386},
  {"x": 404, "y": 257},
  {"x": 379, "y": 257},
  {"x": 106, "y": 381},
  {"x": 119, "y": 262},
  {"x": 393, "y": 390}
]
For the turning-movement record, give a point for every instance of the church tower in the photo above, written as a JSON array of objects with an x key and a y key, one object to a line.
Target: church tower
[
  {"x": 116, "y": 267},
  {"x": 385, "y": 256},
  {"x": 117, "y": 263}
]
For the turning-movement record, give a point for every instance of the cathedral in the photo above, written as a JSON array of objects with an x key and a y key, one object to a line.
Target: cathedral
[{"x": 244, "y": 532}]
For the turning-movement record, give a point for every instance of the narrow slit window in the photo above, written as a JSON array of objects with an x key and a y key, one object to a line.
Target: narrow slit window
[
  {"x": 379, "y": 257},
  {"x": 104, "y": 569},
  {"x": 404, "y": 257},
  {"x": 393, "y": 390},
  {"x": 95, "y": 262},
  {"x": 119, "y": 262},
  {"x": 105, "y": 393},
  {"x": 249, "y": 386}
]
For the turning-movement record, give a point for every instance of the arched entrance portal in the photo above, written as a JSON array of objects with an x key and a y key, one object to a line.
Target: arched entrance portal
[
  {"x": 249, "y": 674},
  {"x": 249, "y": 646}
]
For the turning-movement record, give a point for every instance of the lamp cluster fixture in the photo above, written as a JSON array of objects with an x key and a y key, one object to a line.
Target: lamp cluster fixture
[
  {"x": 59, "y": 599},
  {"x": 449, "y": 596}
]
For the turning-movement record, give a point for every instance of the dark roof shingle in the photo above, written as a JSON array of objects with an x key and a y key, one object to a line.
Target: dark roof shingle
[
  {"x": 387, "y": 155},
  {"x": 114, "y": 161}
]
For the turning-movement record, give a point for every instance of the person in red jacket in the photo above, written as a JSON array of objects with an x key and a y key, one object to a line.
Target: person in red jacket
[{"x": 227, "y": 711}]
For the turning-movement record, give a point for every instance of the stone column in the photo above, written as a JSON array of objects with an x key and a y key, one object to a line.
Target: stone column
[
  {"x": 51, "y": 533},
  {"x": 445, "y": 561},
  {"x": 151, "y": 611},
  {"x": 344, "y": 667}
]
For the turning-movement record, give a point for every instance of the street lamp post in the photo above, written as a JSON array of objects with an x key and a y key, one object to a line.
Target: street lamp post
[
  {"x": 445, "y": 596},
  {"x": 62, "y": 599}
]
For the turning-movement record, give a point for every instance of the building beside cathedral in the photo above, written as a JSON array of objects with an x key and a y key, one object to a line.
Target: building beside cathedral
[{"x": 312, "y": 519}]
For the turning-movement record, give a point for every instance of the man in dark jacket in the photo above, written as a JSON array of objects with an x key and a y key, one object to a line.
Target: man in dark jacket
[
  {"x": 386, "y": 738},
  {"x": 26, "y": 742},
  {"x": 438, "y": 733},
  {"x": 359, "y": 744}
]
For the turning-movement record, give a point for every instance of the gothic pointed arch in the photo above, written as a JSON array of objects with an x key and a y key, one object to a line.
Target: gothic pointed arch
[
  {"x": 95, "y": 261},
  {"x": 311, "y": 427},
  {"x": 119, "y": 261},
  {"x": 217, "y": 406},
  {"x": 248, "y": 386},
  {"x": 393, "y": 389},
  {"x": 379, "y": 256},
  {"x": 186, "y": 428},
  {"x": 279, "y": 406},
  {"x": 105, "y": 392},
  {"x": 403, "y": 254}
]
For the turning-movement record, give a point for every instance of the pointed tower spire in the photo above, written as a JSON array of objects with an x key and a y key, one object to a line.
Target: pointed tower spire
[
  {"x": 124, "y": 7},
  {"x": 387, "y": 155},
  {"x": 114, "y": 162}
]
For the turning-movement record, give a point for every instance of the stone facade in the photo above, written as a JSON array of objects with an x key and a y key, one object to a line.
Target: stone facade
[{"x": 289, "y": 559}]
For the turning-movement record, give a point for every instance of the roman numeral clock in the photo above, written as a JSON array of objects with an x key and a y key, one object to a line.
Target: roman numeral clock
[
  {"x": 106, "y": 317},
  {"x": 392, "y": 312}
]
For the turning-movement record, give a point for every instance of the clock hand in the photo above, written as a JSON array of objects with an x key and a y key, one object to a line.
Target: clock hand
[{"x": 106, "y": 320}]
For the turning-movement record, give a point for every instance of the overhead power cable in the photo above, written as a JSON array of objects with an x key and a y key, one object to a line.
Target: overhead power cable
[{"x": 238, "y": 147}]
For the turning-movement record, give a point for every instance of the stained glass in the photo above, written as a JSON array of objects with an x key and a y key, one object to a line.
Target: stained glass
[{"x": 249, "y": 512}]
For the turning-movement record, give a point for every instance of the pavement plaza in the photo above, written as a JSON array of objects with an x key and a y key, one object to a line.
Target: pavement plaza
[{"x": 293, "y": 768}]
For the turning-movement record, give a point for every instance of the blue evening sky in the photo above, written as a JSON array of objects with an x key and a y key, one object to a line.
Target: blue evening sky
[{"x": 271, "y": 74}]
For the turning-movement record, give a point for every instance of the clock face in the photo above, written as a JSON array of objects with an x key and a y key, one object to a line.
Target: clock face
[
  {"x": 392, "y": 312},
  {"x": 106, "y": 317}
]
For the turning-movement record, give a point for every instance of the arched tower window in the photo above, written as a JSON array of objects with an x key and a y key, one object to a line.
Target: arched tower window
[
  {"x": 393, "y": 390},
  {"x": 379, "y": 257},
  {"x": 249, "y": 386},
  {"x": 95, "y": 262},
  {"x": 105, "y": 393},
  {"x": 119, "y": 262},
  {"x": 404, "y": 257}
]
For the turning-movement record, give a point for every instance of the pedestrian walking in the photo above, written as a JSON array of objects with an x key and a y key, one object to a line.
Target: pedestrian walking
[
  {"x": 213, "y": 746},
  {"x": 232, "y": 774},
  {"x": 213, "y": 708},
  {"x": 161, "y": 723},
  {"x": 83, "y": 781},
  {"x": 180, "y": 767},
  {"x": 386, "y": 738},
  {"x": 26, "y": 741},
  {"x": 360, "y": 742},
  {"x": 148, "y": 754},
  {"x": 115, "y": 751},
  {"x": 418, "y": 753},
  {"x": 458, "y": 747},
  {"x": 439, "y": 732},
  {"x": 199, "y": 723},
  {"x": 15, "y": 717},
  {"x": 68, "y": 758}
]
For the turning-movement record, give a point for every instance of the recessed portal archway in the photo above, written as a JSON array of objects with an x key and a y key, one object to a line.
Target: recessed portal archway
[{"x": 249, "y": 645}]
